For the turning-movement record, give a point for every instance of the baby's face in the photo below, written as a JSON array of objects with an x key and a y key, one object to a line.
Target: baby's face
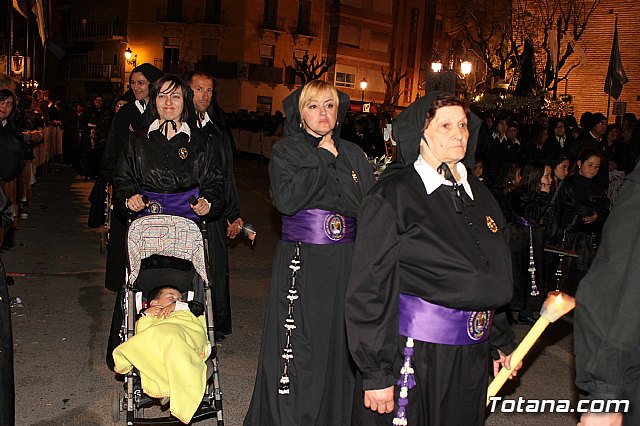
[{"x": 167, "y": 297}]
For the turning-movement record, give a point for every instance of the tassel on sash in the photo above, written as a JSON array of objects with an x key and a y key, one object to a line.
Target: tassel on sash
[
  {"x": 289, "y": 325},
  {"x": 407, "y": 381}
]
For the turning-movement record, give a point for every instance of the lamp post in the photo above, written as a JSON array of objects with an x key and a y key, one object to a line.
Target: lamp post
[
  {"x": 363, "y": 86},
  {"x": 436, "y": 65},
  {"x": 130, "y": 57},
  {"x": 465, "y": 69}
]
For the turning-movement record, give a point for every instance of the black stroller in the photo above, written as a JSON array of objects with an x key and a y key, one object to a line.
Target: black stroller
[{"x": 180, "y": 238}]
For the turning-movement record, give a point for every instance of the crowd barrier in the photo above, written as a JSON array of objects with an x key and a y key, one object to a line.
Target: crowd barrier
[
  {"x": 48, "y": 146},
  {"x": 254, "y": 142}
]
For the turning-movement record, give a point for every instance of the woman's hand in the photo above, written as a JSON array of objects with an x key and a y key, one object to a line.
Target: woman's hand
[
  {"x": 136, "y": 203},
  {"x": 233, "y": 229},
  {"x": 379, "y": 400},
  {"x": 505, "y": 361},
  {"x": 201, "y": 208},
  {"x": 601, "y": 419},
  {"x": 590, "y": 219},
  {"x": 328, "y": 144}
]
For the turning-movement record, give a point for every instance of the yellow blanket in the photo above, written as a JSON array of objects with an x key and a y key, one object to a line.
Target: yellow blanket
[{"x": 170, "y": 355}]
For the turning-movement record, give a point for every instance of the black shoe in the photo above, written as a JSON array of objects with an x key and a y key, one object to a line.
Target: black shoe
[
  {"x": 526, "y": 319},
  {"x": 219, "y": 337}
]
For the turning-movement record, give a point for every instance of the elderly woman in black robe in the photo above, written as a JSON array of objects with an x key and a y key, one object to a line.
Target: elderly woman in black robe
[
  {"x": 431, "y": 268},
  {"x": 305, "y": 373}
]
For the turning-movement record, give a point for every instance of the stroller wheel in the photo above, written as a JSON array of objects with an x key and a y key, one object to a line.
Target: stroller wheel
[{"x": 116, "y": 405}]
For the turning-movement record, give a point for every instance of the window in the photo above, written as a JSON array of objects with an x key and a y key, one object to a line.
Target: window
[
  {"x": 210, "y": 49},
  {"x": 304, "y": 17},
  {"x": 267, "y": 54},
  {"x": 349, "y": 36},
  {"x": 270, "y": 17},
  {"x": 212, "y": 11},
  {"x": 345, "y": 80},
  {"x": 174, "y": 10},
  {"x": 263, "y": 104},
  {"x": 379, "y": 42}
]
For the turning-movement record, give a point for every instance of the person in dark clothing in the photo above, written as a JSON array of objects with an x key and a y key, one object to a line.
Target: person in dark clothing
[
  {"x": 431, "y": 265},
  {"x": 592, "y": 137},
  {"x": 305, "y": 373},
  {"x": 575, "y": 217},
  {"x": 559, "y": 141},
  {"x": 507, "y": 181},
  {"x": 208, "y": 116},
  {"x": 607, "y": 322},
  {"x": 535, "y": 146},
  {"x": 560, "y": 166},
  {"x": 504, "y": 150},
  {"x": 529, "y": 203}
]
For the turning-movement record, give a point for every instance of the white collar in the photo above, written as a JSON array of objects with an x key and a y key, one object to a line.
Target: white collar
[
  {"x": 599, "y": 139},
  {"x": 141, "y": 105},
  {"x": 502, "y": 138},
  {"x": 184, "y": 128},
  {"x": 432, "y": 180},
  {"x": 204, "y": 122},
  {"x": 4, "y": 122}
]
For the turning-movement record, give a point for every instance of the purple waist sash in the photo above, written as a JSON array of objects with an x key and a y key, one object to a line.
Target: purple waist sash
[
  {"x": 176, "y": 204},
  {"x": 316, "y": 226},
  {"x": 427, "y": 322}
]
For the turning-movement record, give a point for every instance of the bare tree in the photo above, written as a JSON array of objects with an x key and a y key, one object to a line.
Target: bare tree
[
  {"x": 392, "y": 80},
  {"x": 308, "y": 69}
]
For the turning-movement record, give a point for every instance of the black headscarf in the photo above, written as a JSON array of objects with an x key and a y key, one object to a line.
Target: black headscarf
[{"x": 408, "y": 128}]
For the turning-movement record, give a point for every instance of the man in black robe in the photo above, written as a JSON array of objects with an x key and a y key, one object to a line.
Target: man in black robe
[
  {"x": 209, "y": 117},
  {"x": 607, "y": 324}
]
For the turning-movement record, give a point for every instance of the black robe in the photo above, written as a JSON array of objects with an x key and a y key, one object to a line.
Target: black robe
[
  {"x": 418, "y": 244},
  {"x": 217, "y": 230},
  {"x": 322, "y": 373},
  {"x": 528, "y": 208},
  {"x": 7, "y": 388},
  {"x": 607, "y": 324},
  {"x": 576, "y": 198}
]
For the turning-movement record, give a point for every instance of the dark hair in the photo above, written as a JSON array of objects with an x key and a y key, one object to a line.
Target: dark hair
[
  {"x": 204, "y": 74},
  {"x": 505, "y": 182},
  {"x": 5, "y": 94},
  {"x": 536, "y": 135},
  {"x": 444, "y": 101},
  {"x": 175, "y": 83},
  {"x": 630, "y": 117},
  {"x": 531, "y": 175},
  {"x": 611, "y": 127},
  {"x": 570, "y": 121},
  {"x": 587, "y": 153},
  {"x": 155, "y": 292}
]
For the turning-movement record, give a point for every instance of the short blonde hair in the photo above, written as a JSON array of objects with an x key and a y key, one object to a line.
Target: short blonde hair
[{"x": 312, "y": 90}]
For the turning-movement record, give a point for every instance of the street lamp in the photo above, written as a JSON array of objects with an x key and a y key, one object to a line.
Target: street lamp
[
  {"x": 436, "y": 65},
  {"x": 363, "y": 86},
  {"x": 465, "y": 68},
  {"x": 130, "y": 57}
]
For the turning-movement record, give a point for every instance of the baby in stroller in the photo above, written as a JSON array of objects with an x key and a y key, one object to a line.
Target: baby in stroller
[{"x": 170, "y": 348}]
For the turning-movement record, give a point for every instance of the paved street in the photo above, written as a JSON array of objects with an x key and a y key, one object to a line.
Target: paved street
[{"x": 62, "y": 322}]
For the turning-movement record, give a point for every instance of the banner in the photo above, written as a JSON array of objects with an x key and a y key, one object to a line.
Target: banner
[{"x": 616, "y": 77}]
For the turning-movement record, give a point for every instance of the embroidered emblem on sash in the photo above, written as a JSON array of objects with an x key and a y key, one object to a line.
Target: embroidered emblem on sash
[
  {"x": 183, "y": 153},
  {"x": 354, "y": 176},
  {"x": 335, "y": 226},
  {"x": 155, "y": 207},
  {"x": 491, "y": 224},
  {"x": 478, "y": 324}
]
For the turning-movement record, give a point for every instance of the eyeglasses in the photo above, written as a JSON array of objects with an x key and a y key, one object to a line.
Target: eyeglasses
[
  {"x": 7, "y": 102},
  {"x": 560, "y": 126}
]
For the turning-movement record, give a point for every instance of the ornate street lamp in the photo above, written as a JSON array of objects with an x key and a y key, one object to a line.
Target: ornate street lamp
[
  {"x": 465, "y": 68},
  {"x": 130, "y": 57},
  {"x": 363, "y": 86}
]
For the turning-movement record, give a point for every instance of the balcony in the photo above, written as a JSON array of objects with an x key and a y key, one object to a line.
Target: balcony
[
  {"x": 265, "y": 74},
  {"x": 277, "y": 24},
  {"x": 94, "y": 72},
  {"x": 309, "y": 30},
  {"x": 104, "y": 30}
]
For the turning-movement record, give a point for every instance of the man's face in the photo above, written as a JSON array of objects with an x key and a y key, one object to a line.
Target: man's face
[
  {"x": 98, "y": 102},
  {"x": 600, "y": 128},
  {"x": 6, "y": 106},
  {"x": 202, "y": 92},
  {"x": 559, "y": 130}
]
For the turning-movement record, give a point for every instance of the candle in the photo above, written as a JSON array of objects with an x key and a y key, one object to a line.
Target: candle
[{"x": 555, "y": 306}]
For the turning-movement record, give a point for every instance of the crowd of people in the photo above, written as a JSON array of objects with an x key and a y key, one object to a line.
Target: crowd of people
[{"x": 388, "y": 300}]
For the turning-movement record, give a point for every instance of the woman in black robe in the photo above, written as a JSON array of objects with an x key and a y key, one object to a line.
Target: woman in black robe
[
  {"x": 529, "y": 203},
  {"x": 317, "y": 182},
  {"x": 430, "y": 248},
  {"x": 575, "y": 217}
]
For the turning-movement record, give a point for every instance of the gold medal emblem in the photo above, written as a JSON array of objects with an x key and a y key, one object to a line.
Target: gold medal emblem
[
  {"x": 354, "y": 176},
  {"x": 491, "y": 224},
  {"x": 183, "y": 153}
]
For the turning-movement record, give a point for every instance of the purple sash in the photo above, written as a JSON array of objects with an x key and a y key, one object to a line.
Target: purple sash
[
  {"x": 176, "y": 204},
  {"x": 427, "y": 322},
  {"x": 316, "y": 226}
]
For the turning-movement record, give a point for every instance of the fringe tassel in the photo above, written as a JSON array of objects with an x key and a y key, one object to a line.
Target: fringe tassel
[
  {"x": 407, "y": 381},
  {"x": 289, "y": 323},
  {"x": 532, "y": 266}
]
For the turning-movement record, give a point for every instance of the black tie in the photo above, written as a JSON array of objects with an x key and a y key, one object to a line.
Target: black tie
[
  {"x": 164, "y": 127},
  {"x": 459, "y": 198}
]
